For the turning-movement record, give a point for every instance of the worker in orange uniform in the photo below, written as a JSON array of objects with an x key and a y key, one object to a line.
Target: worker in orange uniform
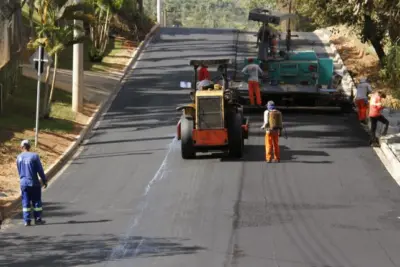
[
  {"x": 375, "y": 115},
  {"x": 253, "y": 70},
  {"x": 203, "y": 73},
  {"x": 273, "y": 126},
  {"x": 361, "y": 99}
]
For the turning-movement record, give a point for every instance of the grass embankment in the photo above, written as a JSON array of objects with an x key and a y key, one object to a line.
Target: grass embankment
[
  {"x": 362, "y": 61},
  {"x": 18, "y": 122}
]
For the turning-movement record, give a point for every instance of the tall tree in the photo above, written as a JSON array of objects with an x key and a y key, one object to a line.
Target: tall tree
[{"x": 374, "y": 19}]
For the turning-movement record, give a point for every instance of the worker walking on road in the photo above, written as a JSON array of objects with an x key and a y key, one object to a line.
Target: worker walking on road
[
  {"x": 273, "y": 125},
  {"x": 29, "y": 166},
  {"x": 361, "y": 100},
  {"x": 375, "y": 115},
  {"x": 253, "y": 70}
]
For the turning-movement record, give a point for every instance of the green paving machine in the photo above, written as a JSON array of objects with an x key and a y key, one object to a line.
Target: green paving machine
[{"x": 294, "y": 77}]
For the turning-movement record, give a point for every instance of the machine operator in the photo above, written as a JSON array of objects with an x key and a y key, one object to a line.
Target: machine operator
[{"x": 203, "y": 73}]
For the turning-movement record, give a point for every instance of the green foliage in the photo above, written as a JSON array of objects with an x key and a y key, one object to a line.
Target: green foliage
[
  {"x": 376, "y": 22},
  {"x": 19, "y": 112},
  {"x": 213, "y": 13},
  {"x": 391, "y": 72},
  {"x": 130, "y": 23},
  {"x": 373, "y": 19}
]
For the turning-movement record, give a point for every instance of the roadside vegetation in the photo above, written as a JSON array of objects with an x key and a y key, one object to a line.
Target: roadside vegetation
[
  {"x": 112, "y": 30},
  {"x": 375, "y": 24}
]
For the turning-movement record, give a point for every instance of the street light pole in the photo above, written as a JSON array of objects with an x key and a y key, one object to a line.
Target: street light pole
[
  {"x": 159, "y": 11},
  {"x": 77, "y": 69}
]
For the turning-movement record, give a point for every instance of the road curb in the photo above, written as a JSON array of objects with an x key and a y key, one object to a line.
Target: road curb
[
  {"x": 6, "y": 211},
  {"x": 347, "y": 81},
  {"x": 390, "y": 160},
  {"x": 384, "y": 152}
]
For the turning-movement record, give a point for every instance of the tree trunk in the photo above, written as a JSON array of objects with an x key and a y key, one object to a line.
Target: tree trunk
[
  {"x": 53, "y": 83},
  {"x": 31, "y": 24},
  {"x": 46, "y": 92},
  {"x": 379, "y": 50},
  {"x": 372, "y": 34},
  {"x": 140, "y": 6}
]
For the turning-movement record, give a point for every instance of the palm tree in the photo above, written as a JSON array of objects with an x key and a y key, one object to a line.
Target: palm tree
[{"x": 56, "y": 32}]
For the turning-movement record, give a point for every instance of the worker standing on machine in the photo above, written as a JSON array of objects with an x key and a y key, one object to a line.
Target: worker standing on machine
[
  {"x": 203, "y": 73},
  {"x": 253, "y": 70},
  {"x": 361, "y": 100},
  {"x": 273, "y": 125},
  {"x": 375, "y": 115}
]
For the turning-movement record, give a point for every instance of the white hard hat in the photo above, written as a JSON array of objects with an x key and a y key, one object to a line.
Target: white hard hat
[
  {"x": 25, "y": 143},
  {"x": 270, "y": 103},
  {"x": 203, "y": 83}
]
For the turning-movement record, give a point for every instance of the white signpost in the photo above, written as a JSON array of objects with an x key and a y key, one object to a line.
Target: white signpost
[{"x": 39, "y": 60}]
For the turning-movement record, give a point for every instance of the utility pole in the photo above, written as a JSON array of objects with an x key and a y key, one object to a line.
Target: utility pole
[
  {"x": 77, "y": 69},
  {"x": 39, "y": 73},
  {"x": 159, "y": 11},
  {"x": 38, "y": 60}
]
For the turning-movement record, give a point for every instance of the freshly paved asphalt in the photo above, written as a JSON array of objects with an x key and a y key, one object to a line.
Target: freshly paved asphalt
[{"x": 130, "y": 200}]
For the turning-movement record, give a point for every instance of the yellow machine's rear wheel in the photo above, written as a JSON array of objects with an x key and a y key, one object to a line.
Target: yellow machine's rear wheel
[{"x": 235, "y": 134}]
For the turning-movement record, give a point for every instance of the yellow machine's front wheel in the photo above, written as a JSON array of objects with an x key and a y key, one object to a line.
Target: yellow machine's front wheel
[{"x": 187, "y": 148}]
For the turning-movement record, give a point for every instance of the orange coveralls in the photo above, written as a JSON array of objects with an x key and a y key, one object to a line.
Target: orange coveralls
[
  {"x": 254, "y": 87},
  {"x": 361, "y": 99},
  {"x": 271, "y": 141}
]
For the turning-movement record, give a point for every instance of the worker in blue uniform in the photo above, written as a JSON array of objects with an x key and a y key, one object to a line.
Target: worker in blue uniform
[{"x": 29, "y": 166}]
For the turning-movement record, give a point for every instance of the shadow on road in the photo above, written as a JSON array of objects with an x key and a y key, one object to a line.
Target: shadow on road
[
  {"x": 73, "y": 250},
  {"x": 53, "y": 209},
  {"x": 79, "y": 222},
  {"x": 257, "y": 153},
  {"x": 131, "y": 140},
  {"x": 118, "y": 154}
]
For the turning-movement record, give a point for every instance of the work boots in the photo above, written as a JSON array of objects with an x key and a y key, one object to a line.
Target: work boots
[{"x": 374, "y": 142}]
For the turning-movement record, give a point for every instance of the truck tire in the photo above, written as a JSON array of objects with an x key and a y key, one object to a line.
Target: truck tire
[
  {"x": 346, "y": 107},
  {"x": 187, "y": 148},
  {"x": 243, "y": 118},
  {"x": 240, "y": 110},
  {"x": 235, "y": 135}
]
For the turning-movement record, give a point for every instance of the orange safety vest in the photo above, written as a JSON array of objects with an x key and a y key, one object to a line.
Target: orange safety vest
[{"x": 375, "y": 106}]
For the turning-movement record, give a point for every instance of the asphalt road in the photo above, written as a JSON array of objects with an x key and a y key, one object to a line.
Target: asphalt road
[{"x": 130, "y": 200}]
